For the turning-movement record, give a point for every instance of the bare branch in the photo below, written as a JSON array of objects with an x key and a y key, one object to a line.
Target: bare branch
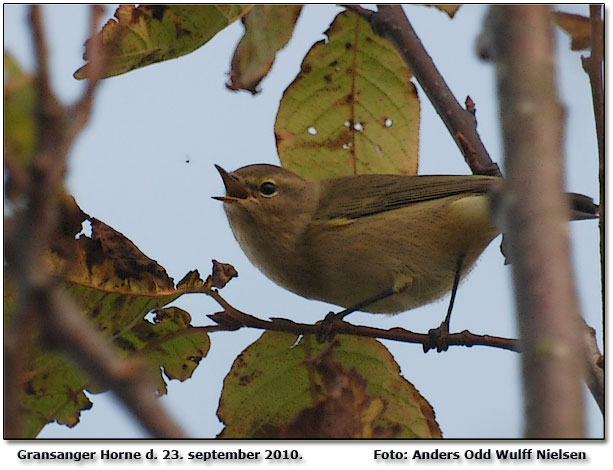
[
  {"x": 66, "y": 327},
  {"x": 81, "y": 111},
  {"x": 37, "y": 297},
  {"x": 535, "y": 216},
  {"x": 233, "y": 319},
  {"x": 28, "y": 240},
  {"x": 40, "y": 48},
  {"x": 593, "y": 66}
]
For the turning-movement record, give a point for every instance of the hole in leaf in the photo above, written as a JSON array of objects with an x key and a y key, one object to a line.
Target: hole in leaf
[
  {"x": 311, "y": 130},
  {"x": 297, "y": 342},
  {"x": 151, "y": 316},
  {"x": 358, "y": 127},
  {"x": 347, "y": 145},
  {"x": 86, "y": 229},
  {"x": 378, "y": 149},
  {"x": 388, "y": 122},
  {"x": 347, "y": 124}
]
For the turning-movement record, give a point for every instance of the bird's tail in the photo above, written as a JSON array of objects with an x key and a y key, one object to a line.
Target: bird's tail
[{"x": 582, "y": 207}]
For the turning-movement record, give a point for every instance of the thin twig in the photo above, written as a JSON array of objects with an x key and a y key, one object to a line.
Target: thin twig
[
  {"x": 98, "y": 60},
  {"x": 40, "y": 49},
  {"x": 593, "y": 66},
  {"x": 233, "y": 319}
]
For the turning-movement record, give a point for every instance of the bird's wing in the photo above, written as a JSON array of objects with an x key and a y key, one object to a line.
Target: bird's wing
[{"x": 352, "y": 197}]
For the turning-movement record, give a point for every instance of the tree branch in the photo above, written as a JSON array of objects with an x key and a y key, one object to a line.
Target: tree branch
[
  {"x": 80, "y": 112},
  {"x": 67, "y": 328},
  {"x": 38, "y": 300},
  {"x": 40, "y": 49},
  {"x": 233, "y": 319},
  {"x": 535, "y": 215},
  {"x": 391, "y": 23},
  {"x": 593, "y": 66}
]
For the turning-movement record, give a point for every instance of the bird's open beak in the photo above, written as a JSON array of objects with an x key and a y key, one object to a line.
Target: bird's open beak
[{"x": 235, "y": 189}]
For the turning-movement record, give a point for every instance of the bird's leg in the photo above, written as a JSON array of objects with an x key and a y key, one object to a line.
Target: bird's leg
[
  {"x": 365, "y": 303},
  {"x": 438, "y": 336},
  {"x": 326, "y": 332}
]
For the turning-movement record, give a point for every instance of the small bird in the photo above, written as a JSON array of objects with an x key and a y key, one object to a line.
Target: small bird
[{"x": 381, "y": 243}]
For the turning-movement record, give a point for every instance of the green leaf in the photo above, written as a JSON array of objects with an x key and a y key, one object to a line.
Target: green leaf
[
  {"x": 352, "y": 109},
  {"x": 144, "y": 35},
  {"x": 268, "y": 28},
  {"x": 53, "y": 391},
  {"x": 352, "y": 387},
  {"x": 116, "y": 286},
  {"x": 169, "y": 342}
]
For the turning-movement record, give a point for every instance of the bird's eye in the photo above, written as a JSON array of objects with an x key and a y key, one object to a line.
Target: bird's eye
[{"x": 268, "y": 189}]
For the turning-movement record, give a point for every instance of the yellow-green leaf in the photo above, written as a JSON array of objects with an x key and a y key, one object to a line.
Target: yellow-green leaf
[
  {"x": 116, "y": 286},
  {"x": 280, "y": 382},
  {"x": 352, "y": 109},
  {"x": 268, "y": 28},
  {"x": 140, "y": 36},
  {"x": 168, "y": 341},
  {"x": 53, "y": 391}
]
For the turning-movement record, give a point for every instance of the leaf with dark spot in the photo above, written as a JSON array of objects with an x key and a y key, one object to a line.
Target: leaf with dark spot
[
  {"x": 345, "y": 410},
  {"x": 116, "y": 286},
  {"x": 285, "y": 387},
  {"x": 352, "y": 77}
]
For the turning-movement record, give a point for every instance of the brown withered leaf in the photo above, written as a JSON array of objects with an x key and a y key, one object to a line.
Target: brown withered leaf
[
  {"x": 106, "y": 260},
  {"x": 577, "y": 27},
  {"x": 222, "y": 274},
  {"x": 450, "y": 9}
]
